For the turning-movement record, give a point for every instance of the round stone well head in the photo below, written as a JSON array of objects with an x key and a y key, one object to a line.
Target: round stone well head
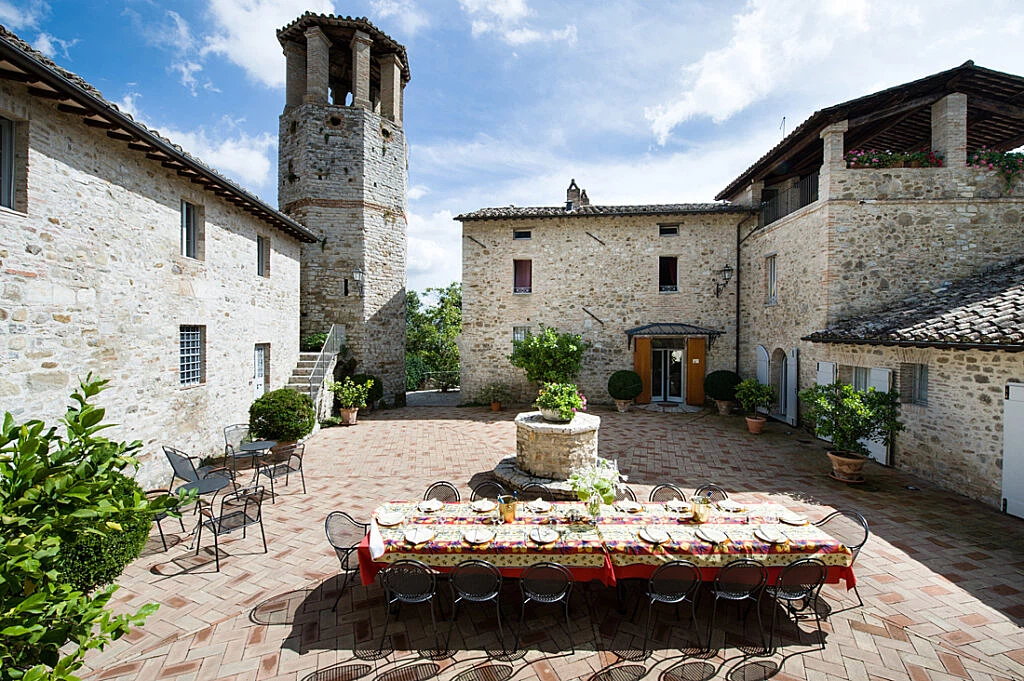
[{"x": 553, "y": 450}]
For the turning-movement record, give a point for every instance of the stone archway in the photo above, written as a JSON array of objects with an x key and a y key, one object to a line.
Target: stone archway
[{"x": 777, "y": 377}]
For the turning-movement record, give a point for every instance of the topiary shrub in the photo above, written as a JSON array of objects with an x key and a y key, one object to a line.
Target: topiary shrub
[
  {"x": 625, "y": 385},
  {"x": 88, "y": 560},
  {"x": 284, "y": 415},
  {"x": 376, "y": 390},
  {"x": 721, "y": 385}
]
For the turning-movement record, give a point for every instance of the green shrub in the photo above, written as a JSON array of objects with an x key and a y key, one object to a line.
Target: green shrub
[
  {"x": 350, "y": 394},
  {"x": 625, "y": 385},
  {"x": 721, "y": 385},
  {"x": 565, "y": 398},
  {"x": 376, "y": 390},
  {"x": 283, "y": 415},
  {"x": 753, "y": 395},
  {"x": 549, "y": 357},
  {"x": 88, "y": 559},
  {"x": 314, "y": 342},
  {"x": 847, "y": 416},
  {"x": 330, "y": 422},
  {"x": 415, "y": 368}
]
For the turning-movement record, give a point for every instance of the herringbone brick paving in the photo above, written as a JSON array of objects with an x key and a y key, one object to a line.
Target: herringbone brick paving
[{"x": 942, "y": 577}]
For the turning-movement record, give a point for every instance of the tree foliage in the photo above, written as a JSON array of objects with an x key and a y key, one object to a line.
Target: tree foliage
[
  {"x": 431, "y": 330},
  {"x": 846, "y": 416},
  {"x": 53, "y": 487},
  {"x": 283, "y": 415},
  {"x": 549, "y": 356}
]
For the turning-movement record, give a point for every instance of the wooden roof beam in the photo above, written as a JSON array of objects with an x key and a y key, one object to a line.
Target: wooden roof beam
[
  {"x": 44, "y": 91},
  {"x": 99, "y": 123},
  {"x": 895, "y": 110},
  {"x": 1008, "y": 110}
]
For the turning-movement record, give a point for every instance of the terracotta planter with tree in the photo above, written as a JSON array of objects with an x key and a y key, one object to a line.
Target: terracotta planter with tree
[
  {"x": 753, "y": 396},
  {"x": 721, "y": 387},
  {"x": 351, "y": 397},
  {"x": 495, "y": 393},
  {"x": 848, "y": 417}
]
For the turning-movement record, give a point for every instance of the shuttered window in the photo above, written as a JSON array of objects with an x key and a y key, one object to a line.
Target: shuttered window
[{"x": 914, "y": 384}]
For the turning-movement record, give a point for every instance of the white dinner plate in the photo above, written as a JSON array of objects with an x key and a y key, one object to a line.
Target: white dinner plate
[
  {"x": 793, "y": 518},
  {"x": 629, "y": 506},
  {"x": 430, "y": 505},
  {"x": 731, "y": 506},
  {"x": 709, "y": 534},
  {"x": 477, "y": 535},
  {"x": 677, "y": 506},
  {"x": 390, "y": 518},
  {"x": 543, "y": 535},
  {"x": 539, "y": 506},
  {"x": 770, "y": 534},
  {"x": 418, "y": 535},
  {"x": 653, "y": 535},
  {"x": 483, "y": 506}
]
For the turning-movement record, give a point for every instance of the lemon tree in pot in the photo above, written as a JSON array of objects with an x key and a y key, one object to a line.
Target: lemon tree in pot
[
  {"x": 753, "y": 395},
  {"x": 848, "y": 417},
  {"x": 351, "y": 397},
  {"x": 624, "y": 386}
]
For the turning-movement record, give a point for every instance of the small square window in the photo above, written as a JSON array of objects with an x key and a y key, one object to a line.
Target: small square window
[
  {"x": 668, "y": 274},
  {"x": 191, "y": 355},
  {"x": 263, "y": 256},
  {"x": 520, "y": 234},
  {"x": 770, "y": 281},
  {"x": 192, "y": 231},
  {"x": 523, "y": 276},
  {"x": 914, "y": 384},
  {"x": 668, "y": 230},
  {"x": 519, "y": 333}
]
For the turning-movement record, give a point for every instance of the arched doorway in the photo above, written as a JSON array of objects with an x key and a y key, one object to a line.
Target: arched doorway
[{"x": 778, "y": 379}]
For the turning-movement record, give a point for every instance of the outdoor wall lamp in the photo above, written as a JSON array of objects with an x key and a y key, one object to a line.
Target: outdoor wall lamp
[
  {"x": 357, "y": 277},
  {"x": 726, "y": 274}
]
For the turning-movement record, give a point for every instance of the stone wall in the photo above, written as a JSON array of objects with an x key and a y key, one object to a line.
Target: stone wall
[
  {"x": 592, "y": 275},
  {"x": 93, "y": 281},
  {"x": 957, "y": 439}
]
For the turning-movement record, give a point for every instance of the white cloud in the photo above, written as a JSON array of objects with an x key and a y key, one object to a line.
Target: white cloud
[
  {"x": 186, "y": 71},
  {"x": 505, "y": 18},
  {"x": 53, "y": 46},
  {"x": 245, "y": 33},
  {"x": 23, "y": 15},
  {"x": 508, "y": 11},
  {"x": 409, "y": 17},
  {"x": 435, "y": 250},
  {"x": 417, "y": 192}
]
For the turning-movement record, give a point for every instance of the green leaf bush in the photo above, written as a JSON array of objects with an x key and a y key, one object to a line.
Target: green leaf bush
[
  {"x": 549, "y": 357},
  {"x": 283, "y": 415},
  {"x": 314, "y": 342},
  {"x": 415, "y": 371},
  {"x": 721, "y": 385},
  {"x": 565, "y": 398},
  {"x": 753, "y": 395},
  {"x": 350, "y": 394},
  {"x": 846, "y": 416},
  {"x": 376, "y": 393},
  {"x": 625, "y": 385}
]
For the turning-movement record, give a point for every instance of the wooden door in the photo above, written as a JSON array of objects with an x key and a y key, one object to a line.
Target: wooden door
[
  {"x": 642, "y": 365},
  {"x": 695, "y": 348}
]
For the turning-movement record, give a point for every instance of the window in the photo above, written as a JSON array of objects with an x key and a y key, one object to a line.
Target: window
[
  {"x": 519, "y": 333},
  {"x": 263, "y": 255},
  {"x": 522, "y": 234},
  {"x": 861, "y": 378},
  {"x": 668, "y": 230},
  {"x": 192, "y": 230},
  {"x": 523, "y": 272},
  {"x": 6, "y": 163},
  {"x": 770, "y": 281},
  {"x": 914, "y": 384},
  {"x": 191, "y": 355},
  {"x": 668, "y": 274}
]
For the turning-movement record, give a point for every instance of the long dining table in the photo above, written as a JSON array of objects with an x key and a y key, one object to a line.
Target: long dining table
[{"x": 624, "y": 541}]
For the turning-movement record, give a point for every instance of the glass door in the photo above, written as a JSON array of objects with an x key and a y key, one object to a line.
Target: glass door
[{"x": 668, "y": 359}]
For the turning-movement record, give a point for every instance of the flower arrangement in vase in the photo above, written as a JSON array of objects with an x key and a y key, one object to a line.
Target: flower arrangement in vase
[{"x": 597, "y": 484}]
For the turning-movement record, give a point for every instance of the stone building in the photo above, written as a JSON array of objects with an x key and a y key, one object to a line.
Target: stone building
[
  {"x": 827, "y": 245},
  {"x": 124, "y": 256},
  {"x": 342, "y": 173}
]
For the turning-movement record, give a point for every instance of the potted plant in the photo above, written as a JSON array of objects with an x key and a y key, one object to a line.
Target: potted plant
[
  {"x": 596, "y": 485},
  {"x": 560, "y": 401},
  {"x": 753, "y": 395},
  {"x": 847, "y": 416},
  {"x": 495, "y": 393},
  {"x": 351, "y": 397},
  {"x": 624, "y": 386},
  {"x": 283, "y": 415},
  {"x": 721, "y": 387}
]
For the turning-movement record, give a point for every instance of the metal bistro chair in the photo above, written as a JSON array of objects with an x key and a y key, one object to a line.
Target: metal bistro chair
[
  {"x": 238, "y": 510},
  {"x": 667, "y": 492},
  {"x": 674, "y": 582},
  {"x": 475, "y": 581},
  {"x": 442, "y": 490},
  {"x": 740, "y": 580},
  {"x": 715, "y": 492},
  {"x": 851, "y": 528},
  {"x": 534, "y": 490},
  {"x": 408, "y": 581},
  {"x": 490, "y": 489},
  {"x": 162, "y": 515},
  {"x": 625, "y": 493},
  {"x": 799, "y": 582},
  {"x": 344, "y": 534},
  {"x": 545, "y": 583},
  {"x": 281, "y": 464},
  {"x": 234, "y": 436},
  {"x": 204, "y": 479}
]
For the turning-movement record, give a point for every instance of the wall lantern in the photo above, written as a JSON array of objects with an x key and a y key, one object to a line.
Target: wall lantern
[
  {"x": 357, "y": 277},
  {"x": 726, "y": 274}
]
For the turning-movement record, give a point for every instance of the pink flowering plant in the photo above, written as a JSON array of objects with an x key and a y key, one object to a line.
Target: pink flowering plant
[
  {"x": 1008, "y": 164},
  {"x": 875, "y": 158},
  {"x": 565, "y": 398}
]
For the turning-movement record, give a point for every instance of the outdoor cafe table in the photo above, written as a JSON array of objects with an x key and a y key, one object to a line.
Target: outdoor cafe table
[{"x": 607, "y": 551}]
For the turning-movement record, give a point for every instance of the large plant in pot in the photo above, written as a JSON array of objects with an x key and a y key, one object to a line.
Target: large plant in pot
[
  {"x": 721, "y": 387},
  {"x": 284, "y": 415},
  {"x": 848, "y": 417},
  {"x": 752, "y": 396},
  {"x": 351, "y": 396},
  {"x": 560, "y": 401},
  {"x": 624, "y": 386}
]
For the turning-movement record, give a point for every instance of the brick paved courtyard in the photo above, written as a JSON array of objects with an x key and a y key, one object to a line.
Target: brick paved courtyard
[{"x": 942, "y": 577}]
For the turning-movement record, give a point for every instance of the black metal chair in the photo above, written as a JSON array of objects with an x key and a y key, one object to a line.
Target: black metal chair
[
  {"x": 667, "y": 492},
  {"x": 715, "y": 492},
  {"x": 798, "y": 583},
  {"x": 162, "y": 515},
  {"x": 740, "y": 580},
  {"x": 344, "y": 534},
  {"x": 625, "y": 493},
  {"x": 203, "y": 479},
  {"x": 281, "y": 463},
  {"x": 491, "y": 489},
  {"x": 408, "y": 581},
  {"x": 234, "y": 436},
  {"x": 442, "y": 490},
  {"x": 475, "y": 581},
  {"x": 673, "y": 583},
  {"x": 238, "y": 510},
  {"x": 545, "y": 583},
  {"x": 851, "y": 528},
  {"x": 535, "y": 490}
]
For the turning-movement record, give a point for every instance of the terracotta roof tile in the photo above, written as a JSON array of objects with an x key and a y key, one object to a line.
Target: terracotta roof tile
[{"x": 515, "y": 212}]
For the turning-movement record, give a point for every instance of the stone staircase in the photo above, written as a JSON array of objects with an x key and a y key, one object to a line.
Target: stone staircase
[{"x": 300, "y": 376}]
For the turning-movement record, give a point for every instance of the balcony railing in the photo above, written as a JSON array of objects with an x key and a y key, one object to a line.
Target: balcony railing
[
  {"x": 789, "y": 200},
  {"x": 522, "y": 289}
]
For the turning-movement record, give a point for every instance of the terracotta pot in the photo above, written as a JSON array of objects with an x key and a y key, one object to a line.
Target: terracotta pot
[
  {"x": 348, "y": 416},
  {"x": 755, "y": 424},
  {"x": 495, "y": 406},
  {"x": 724, "y": 407},
  {"x": 847, "y": 466},
  {"x": 623, "y": 405}
]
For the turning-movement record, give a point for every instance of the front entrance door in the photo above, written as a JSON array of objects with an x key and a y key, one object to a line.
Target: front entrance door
[
  {"x": 668, "y": 359},
  {"x": 1013, "y": 449},
  {"x": 259, "y": 379}
]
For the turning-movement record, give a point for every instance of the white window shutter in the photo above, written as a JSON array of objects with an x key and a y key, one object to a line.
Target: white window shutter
[
  {"x": 880, "y": 380},
  {"x": 826, "y": 373},
  {"x": 792, "y": 378},
  {"x": 762, "y": 364}
]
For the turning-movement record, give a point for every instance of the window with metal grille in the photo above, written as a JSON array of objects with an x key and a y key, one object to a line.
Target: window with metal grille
[
  {"x": 263, "y": 256},
  {"x": 523, "y": 276},
  {"x": 191, "y": 355},
  {"x": 6, "y": 163},
  {"x": 519, "y": 333},
  {"x": 668, "y": 274},
  {"x": 770, "y": 281},
  {"x": 914, "y": 384}
]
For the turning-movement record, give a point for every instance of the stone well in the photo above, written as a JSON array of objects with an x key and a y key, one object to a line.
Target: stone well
[{"x": 552, "y": 450}]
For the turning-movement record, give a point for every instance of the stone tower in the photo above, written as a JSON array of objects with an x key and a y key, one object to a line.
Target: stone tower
[{"x": 342, "y": 173}]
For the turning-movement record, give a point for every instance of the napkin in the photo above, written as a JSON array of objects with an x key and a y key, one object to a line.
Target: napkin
[{"x": 376, "y": 541}]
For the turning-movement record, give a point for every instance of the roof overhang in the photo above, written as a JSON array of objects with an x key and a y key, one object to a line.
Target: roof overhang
[
  {"x": 941, "y": 345},
  {"x": 671, "y": 330}
]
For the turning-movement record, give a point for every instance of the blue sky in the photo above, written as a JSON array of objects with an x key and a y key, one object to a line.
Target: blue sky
[{"x": 641, "y": 102}]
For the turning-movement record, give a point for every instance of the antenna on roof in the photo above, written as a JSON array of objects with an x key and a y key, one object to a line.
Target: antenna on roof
[{"x": 782, "y": 126}]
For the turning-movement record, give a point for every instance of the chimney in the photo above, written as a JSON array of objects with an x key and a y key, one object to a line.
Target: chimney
[
  {"x": 584, "y": 199},
  {"x": 572, "y": 197}
]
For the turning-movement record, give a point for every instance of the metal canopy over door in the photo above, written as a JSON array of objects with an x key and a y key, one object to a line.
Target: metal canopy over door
[
  {"x": 1013, "y": 449},
  {"x": 880, "y": 380},
  {"x": 695, "y": 351}
]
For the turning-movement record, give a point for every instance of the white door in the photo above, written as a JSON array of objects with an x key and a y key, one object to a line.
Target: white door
[
  {"x": 259, "y": 377},
  {"x": 763, "y": 375},
  {"x": 792, "y": 376},
  {"x": 825, "y": 375},
  {"x": 1013, "y": 450},
  {"x": 880, "y": 380}
]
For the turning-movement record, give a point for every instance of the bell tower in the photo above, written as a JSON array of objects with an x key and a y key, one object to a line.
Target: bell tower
[{"x": 342, "y": 172}]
